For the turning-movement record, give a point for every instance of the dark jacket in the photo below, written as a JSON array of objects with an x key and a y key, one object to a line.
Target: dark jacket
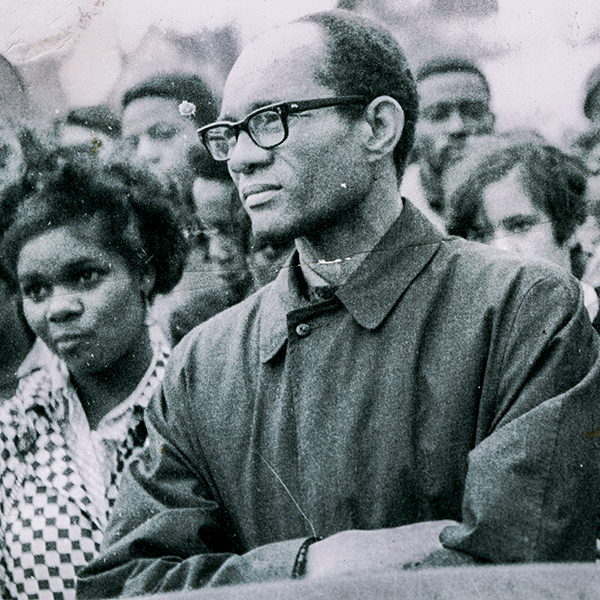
[{"x": 443, "y": 381}]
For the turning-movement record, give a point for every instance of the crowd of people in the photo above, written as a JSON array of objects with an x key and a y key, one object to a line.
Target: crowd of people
[{"x": 325, "y": 321}]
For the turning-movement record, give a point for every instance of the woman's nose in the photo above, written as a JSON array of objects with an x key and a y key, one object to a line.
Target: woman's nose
[{"x": 63, "y": 305}]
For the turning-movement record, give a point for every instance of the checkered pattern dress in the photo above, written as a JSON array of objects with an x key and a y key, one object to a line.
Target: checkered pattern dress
[{"x": 49, "y": 524}]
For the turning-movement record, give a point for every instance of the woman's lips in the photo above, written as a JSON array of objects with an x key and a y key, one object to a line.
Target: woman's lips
[{"x": 69, "y": 342}]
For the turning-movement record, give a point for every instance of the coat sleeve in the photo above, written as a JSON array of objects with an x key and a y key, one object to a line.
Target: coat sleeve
[
  {"x": 168, "y": 530},
  {"x": 532, "y": 488}
]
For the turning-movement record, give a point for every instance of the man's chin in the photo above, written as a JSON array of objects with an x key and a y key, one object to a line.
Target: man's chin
[
  {"x": 284, "y": 234},
  {"x": 274, "y": 237}
]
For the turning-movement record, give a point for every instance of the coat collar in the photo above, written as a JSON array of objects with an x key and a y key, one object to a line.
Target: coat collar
[{"x": 370, "y": 293}]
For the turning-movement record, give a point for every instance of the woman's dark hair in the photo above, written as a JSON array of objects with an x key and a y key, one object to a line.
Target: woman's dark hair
[
  {"x": 556, "y": 183},
  {"x": 127, "y": 207}
]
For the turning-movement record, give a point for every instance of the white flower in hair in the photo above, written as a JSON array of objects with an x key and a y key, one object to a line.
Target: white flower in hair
[{"x": 187, "y": 108}]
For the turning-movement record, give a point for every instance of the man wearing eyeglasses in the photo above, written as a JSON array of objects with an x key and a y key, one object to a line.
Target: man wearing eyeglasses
[
  {"x": 454, "y": 101},
  {"x": 394, "y": 398}
]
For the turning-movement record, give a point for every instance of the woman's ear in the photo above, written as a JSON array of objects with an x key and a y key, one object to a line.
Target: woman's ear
[{"x": 384, "y": 123}]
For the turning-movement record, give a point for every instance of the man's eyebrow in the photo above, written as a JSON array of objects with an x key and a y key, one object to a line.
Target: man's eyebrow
[{"x": 254, "y": 106}]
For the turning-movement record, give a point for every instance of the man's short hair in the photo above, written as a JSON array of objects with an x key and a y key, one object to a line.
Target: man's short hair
[
  {"x": 364, "y": 59},
  {"x": 181, "y": 87},
  {"x": 554, "y": 181},
  {"x": 450, "y": 64}
]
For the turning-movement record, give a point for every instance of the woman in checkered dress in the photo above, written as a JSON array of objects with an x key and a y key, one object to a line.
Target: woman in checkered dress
[{"x": 90, "y": 247}]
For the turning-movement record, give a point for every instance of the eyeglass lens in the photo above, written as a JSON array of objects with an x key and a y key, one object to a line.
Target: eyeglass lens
[{"x": 266, "y": 130}]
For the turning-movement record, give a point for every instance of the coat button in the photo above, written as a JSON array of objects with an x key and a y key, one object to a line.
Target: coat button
[{"x": 303, "y": 329}]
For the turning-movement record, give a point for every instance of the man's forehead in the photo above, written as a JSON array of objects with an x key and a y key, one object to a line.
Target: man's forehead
[
  {"x": 278, "y": 66},
  {"x": 450, "y": 87}
]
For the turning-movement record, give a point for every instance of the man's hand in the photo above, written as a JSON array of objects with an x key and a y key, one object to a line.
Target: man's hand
[{"x": 353, "y": 551}]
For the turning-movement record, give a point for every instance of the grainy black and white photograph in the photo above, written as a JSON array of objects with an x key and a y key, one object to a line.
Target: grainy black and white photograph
[{"x": 300, "y": 299}]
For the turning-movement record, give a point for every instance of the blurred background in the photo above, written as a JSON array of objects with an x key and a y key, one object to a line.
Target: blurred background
[{"x": 536, "y": 53}]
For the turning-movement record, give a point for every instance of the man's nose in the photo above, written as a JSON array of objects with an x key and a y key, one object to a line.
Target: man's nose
[
  {"x": 456, "y": 123},
  {"x": 63, "y": 306},
  {"x": 147, "y": 151},
  {"x": 246, "y": 155}
]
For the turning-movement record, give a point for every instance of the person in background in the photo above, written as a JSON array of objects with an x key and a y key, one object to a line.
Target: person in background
[
  {"x": 587, "y": 147},
  {"x": 528, "y": 198},
  {"x": 90, "y": 248},
  {"x": 160, "y": 136},
  {"x": 90, "y": 129},
  {"x": 238, "y": 265},
  {"x": 390, "y": 400},
  {"x": 160, "y": 118},
  {"x": 244, "y": 263},
  {"x": 226, "y": 229},
  {"x": 454, "y": 100}
]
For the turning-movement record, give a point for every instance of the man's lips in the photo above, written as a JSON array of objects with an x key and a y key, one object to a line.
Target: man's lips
[{"x": 257, "y": 193}]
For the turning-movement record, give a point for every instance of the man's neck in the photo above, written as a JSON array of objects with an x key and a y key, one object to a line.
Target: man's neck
[{"x": 338, "y": 252}]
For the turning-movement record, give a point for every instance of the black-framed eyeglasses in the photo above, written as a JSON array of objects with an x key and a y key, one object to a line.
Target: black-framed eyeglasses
[{"x": 266, "y": 126}]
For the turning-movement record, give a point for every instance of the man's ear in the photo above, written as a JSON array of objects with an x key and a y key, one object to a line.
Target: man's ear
[{"x": 384, "y": 123}]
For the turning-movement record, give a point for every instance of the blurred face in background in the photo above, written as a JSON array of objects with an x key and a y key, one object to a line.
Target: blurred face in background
[
  {"x": 220, "y": 211},
  {"x": 453, "y": 107},
  {"x": 512, "y": 222},
  {"x": 156, "y": 136}
]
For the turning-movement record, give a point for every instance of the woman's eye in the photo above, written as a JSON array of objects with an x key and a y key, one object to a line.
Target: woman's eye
[
  {"x": 36, "y": 292},
  {"x": 89, "y": 276}
]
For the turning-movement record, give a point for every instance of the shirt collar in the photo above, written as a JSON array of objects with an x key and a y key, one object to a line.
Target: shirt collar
[
  {"x": 38, "y": 357},
  {"x": 53, "y": 391},
  {"x": 370, "y": 292}
]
